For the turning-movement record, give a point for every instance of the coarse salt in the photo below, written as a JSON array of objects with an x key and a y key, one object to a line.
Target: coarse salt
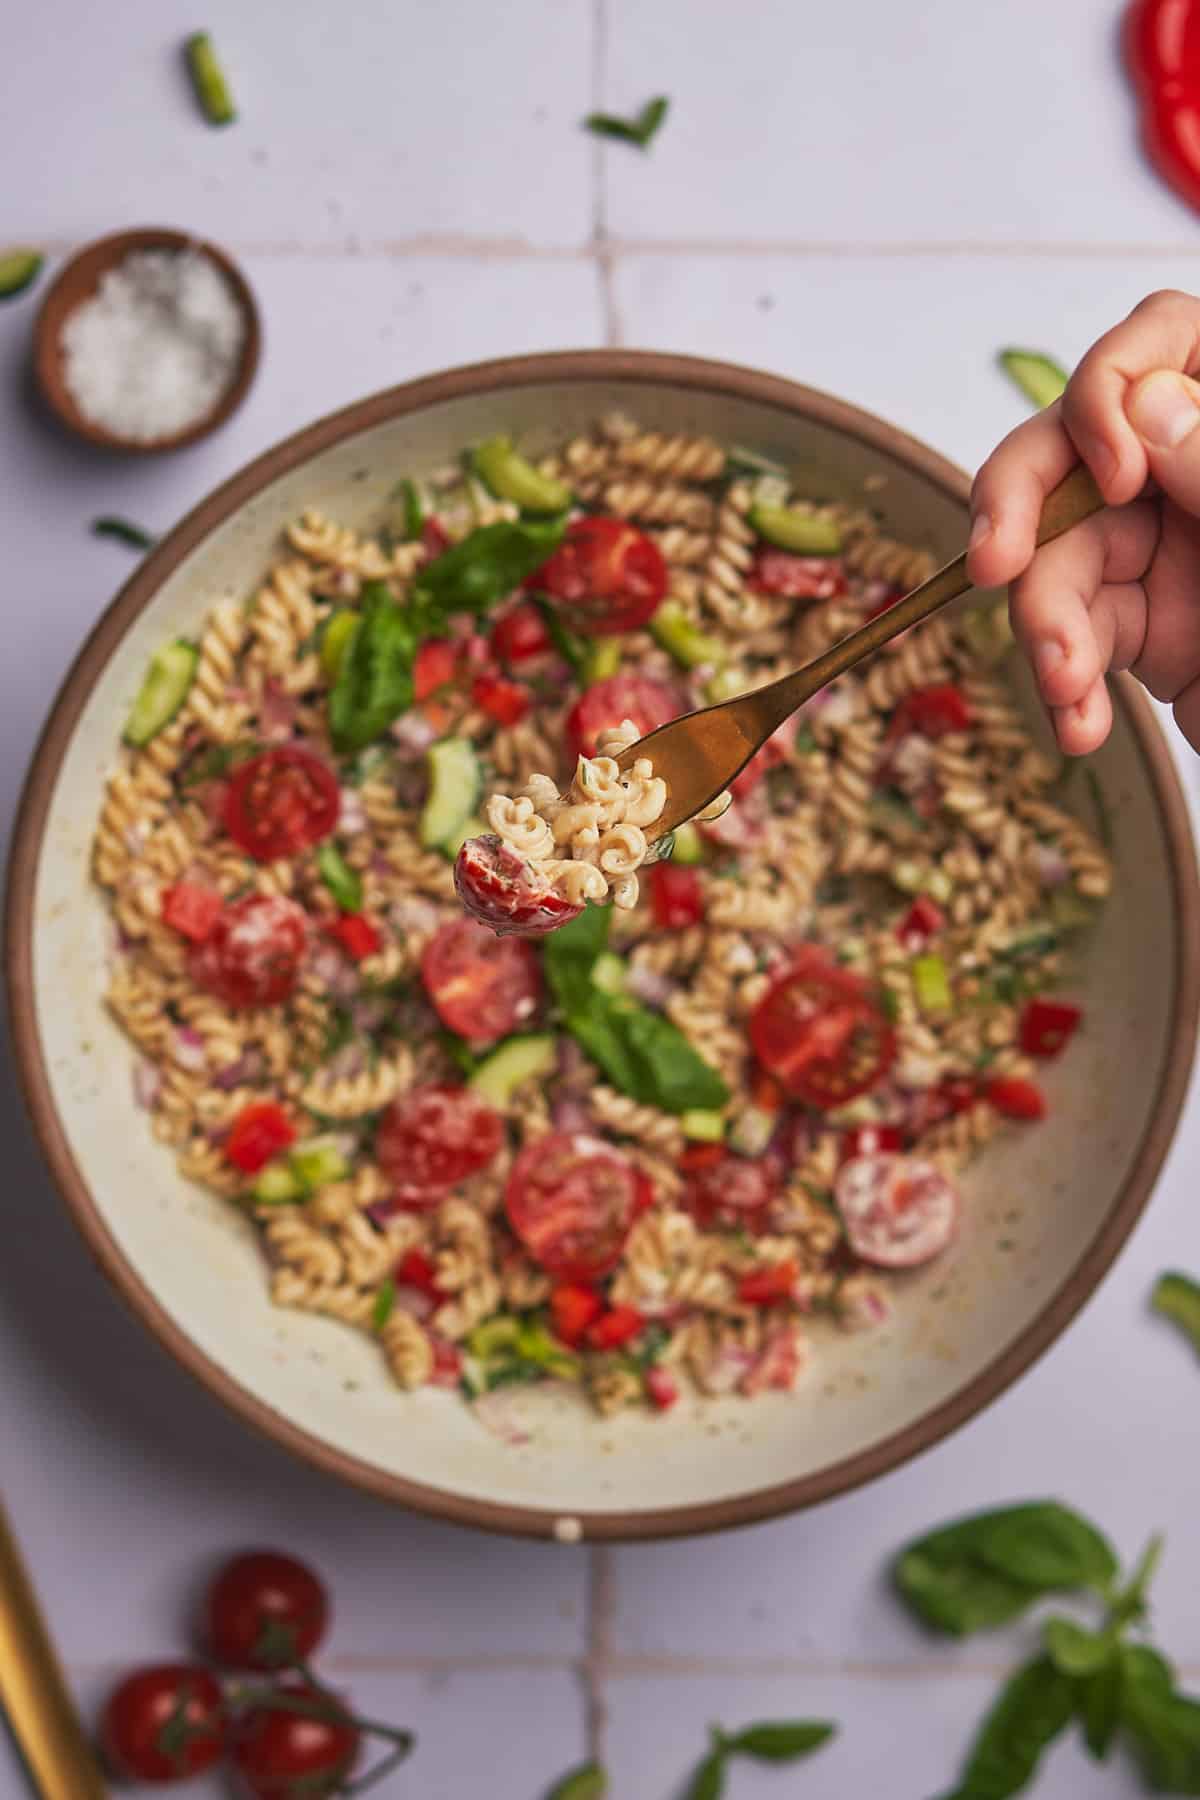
[{"x": 156, "y": 347}]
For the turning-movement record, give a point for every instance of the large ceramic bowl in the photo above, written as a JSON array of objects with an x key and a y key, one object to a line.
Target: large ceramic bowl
[{"x": 1048, "y": 1208}]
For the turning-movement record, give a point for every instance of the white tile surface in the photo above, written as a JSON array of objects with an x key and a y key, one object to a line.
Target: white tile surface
[{"x": 410, "y": 190}]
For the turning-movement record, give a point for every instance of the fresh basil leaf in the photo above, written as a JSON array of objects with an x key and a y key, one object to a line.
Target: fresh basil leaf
[
  {"x": 1100, "y": 1698},
  {"x": 488, "y": 564},
  {"x": 986, "y": 1569},
  {"x": 595, "y": 1032},
  {"x": 639, "y": 130},
  {"x": 588, "y": 1782},
  {"x": 1035, "y": 1705},
  {"x": 572, "y": 649},
  {"x": 1165, "y": 1731},
  {"x": 1145, "y": 1671},
  {"x": 781, "y": 1741},
  {"x": 708, "y": 1783},
  {"x": 1076, "y": 1651},
  {"x": 1130, "y": 1604},
  {"x": 670, "y": 1073},
  {"x": 1177, "y": 1297},
  {"x": 570, "y": 955},
  {"x": 374, "y": 684}
]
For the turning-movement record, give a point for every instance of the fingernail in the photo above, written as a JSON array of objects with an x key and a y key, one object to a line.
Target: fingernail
[
  {"x": 981, "y": 527},
  {"x": 1048, "y": 656},
  {"x": 1162, "y": 409}
]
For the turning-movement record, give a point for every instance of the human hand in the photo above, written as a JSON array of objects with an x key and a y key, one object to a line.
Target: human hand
[{"x": 1122, "y": 590}]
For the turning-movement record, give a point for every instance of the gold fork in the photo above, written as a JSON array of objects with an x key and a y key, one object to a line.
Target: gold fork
[{"x": 700, "y": 754}]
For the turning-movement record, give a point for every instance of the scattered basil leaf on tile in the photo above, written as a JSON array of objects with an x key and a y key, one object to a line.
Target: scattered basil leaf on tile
[
  {"x": 1177, "y": 1297},
  {"x": 708, "y": 1783},
  {"x": 1074, "y": 1650},
  {"x": 1034, "y": 1707},
  {"x": 1039, "y": 377},
  {"x": 124, "y": 532},
  {"x": 1099, "y": 1704},
  {"x": 588, "y": 1782},
  {"x": 639, "y": 130},
  {"x": 19, "y": 269},
  {"x": 779, "y": 1740},
  {"x": 208, "y": 79}
]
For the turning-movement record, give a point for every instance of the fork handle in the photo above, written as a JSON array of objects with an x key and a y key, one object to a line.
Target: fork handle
[{"x": 1075, "y": 498}]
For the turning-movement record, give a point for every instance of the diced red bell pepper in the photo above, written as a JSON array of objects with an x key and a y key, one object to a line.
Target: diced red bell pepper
[
  {"x": 701, "y": 1156},
  {"x": 615, "y": 1328},
  {"x": 923, "y": 920},
  {"x": 519, "y": 634},
  {"x": 434, "y": 667},
  {"x": 1047, "y": 1026},
  {"x": 192, "y": 909},
  {"x": 870, "y": 1140},
  {"x": 759, "y": 1287},
  {"x": 662, "y": 1387},
  {"x": 434, "y": 536},
  {"x": 933, "y": 711},
  {"x": 765, "y": 1092},
  {"x": 503, "y": 700},
  {"x": 1015, "y": 1097},
  {"x": 356, "y": 934},
  {"x": 573, "y": 1308},
  {"x": 261, "y": 1132},
  {"x": 676, "y": 896},
  {"x": 416, "y": 1270}
]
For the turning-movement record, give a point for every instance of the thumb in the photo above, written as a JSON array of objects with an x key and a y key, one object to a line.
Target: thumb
[{"x": 1164, "y": 410}]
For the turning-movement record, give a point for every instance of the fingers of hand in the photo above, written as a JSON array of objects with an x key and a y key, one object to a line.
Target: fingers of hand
[
  {"x": 1162, "y": 333},
  {"x": 1083, "y": 727},
  {"x": 1008, "y": 494},
  {"x": 1187, "y": 713},
  {"x": 1164, "y": 407}
]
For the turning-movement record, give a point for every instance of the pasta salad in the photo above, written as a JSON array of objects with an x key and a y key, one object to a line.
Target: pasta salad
[{"x": 652, "y": 1147}]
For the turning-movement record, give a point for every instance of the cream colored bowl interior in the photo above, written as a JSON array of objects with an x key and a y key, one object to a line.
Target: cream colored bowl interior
[{"x": 1034, "y": 1205}]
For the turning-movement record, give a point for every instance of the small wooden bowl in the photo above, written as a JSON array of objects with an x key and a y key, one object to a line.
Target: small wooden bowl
[{"x": 78, "y": 281}]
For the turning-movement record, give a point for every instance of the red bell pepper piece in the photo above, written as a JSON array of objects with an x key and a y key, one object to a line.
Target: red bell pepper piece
[
  {"x": 615, "y": 1328},
  {"x": 1015, "y": 1097},
  {"x": 416, "y": 1270},
  {"x": 191, "y": 909},
  {"x": 573, "y": 1308},
  {"x": 434, "y": 536},
  {"x": 1047, "y": 1026},
  {"x": 503, "y": 700},
  {"x": 434, "y": 667},
  {"x": 261, "y": 1132},
  {"x": 758, "y": 1287},
  {"x": 923, "y": 920},
  {"x": 662, "y": 1387},
  {"x": 701, "y": 1156},
  {"x": 676, "y": 896},
  {"x": 933, "y": 711},
  {"x": 447, "y": 1363},
  {"x": 356, "y": 934},
  {"x": 1162, "y": 50}
]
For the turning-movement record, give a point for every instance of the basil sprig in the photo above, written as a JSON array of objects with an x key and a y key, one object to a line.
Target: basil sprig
[
  {"x": 640, "y": 1051},
  {"x": 374, "y": 683},
  {"x": 989, "y": 1568},
  {"x": 773, "y": 1741}
]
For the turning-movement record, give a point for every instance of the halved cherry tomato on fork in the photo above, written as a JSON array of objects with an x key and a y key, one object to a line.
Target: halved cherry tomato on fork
[
  {"x": 280, "y": 802},
  {"x": 818, "y": 1030},
  {"x": 264, "y": 1609},
  {"x": 252, "y": 955},
  {"x": 1015, "y": 1097},
  {"x": 1047, "y": 1026},
  {"x": 647, "y": 702},
  {"x": 898, "y": 1210},
  {"x": 573, "y": 1308},
  {"x": 509, "y": 895},
  {"x": 191, "y": 908},
  {"x": 676, "y": 896},
  {"x": 280, "y": 1754},
  {"x": 571, "y": 1199},
  {"x": 503, "y": 700},
  {"x": 432, "y": 1138},
  {"x": 481, "y": 986},
  {"x": 793, "y": 577},
  {"x": 606, "y": 575},
  {"x": 520, "y": 633},
  {"x": 259, "y": 1133},
  {"x": 164, "y": 1723}
]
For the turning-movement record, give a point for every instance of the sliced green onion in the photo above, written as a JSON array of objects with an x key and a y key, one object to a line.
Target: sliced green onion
[
  {"x": 510, "y": 476},
  {"x": 109, "y": 526},
  {"x": 931, "y": 983},
  {"x": 19, "y": 269},
  {"x": 681, "y": 638},
  {"x": 1177, "y": 1297},
  {"x": 601, "y": 659},
  {"x": 208, "y": 80},
  {"x": 385, "y": 1300},
  {"x": 317, "y": 1162},
  {"x": 1039, "y": 377},
  {"x": 639, "y": 130}
]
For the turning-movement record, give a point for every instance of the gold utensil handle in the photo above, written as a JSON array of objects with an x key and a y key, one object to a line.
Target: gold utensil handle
[
  {"x": 33, "y": 1693},
  {"x": 1075, "y": 498}
]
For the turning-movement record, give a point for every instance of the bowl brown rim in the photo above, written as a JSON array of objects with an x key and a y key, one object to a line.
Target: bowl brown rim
[
  {"x": 699, "y": 376},
  {"x": 77, "y": 280}
]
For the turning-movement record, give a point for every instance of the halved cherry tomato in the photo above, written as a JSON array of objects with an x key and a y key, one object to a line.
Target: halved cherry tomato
[
  {"x": 729, "y": 1189},
  {"x": 1015, "y": 1097},
  {"x": 898, "y": 1210},
  {"x": 434, "y": 667},
  {"x": 164, "y": 1723},
  {"x": 520, "y": 633},
  {"x": 191, "y": 909},
  {"x": 509, "y": 895},
  {"x": 281, "y": 1754},
  {"x": 503, "y": 700},
  {"x": 759, "y": 1287},
  {"x": 260, "y": 1132},
  {"x": 792, "y": 577},
  {"x": 866, "y": 1140},
  {"x": 647, "y": 702},
  {"x": 481, "y": 986},
  {"x": 265, "y": 1609},
  {"x": 416, "y": 1270},
  {"x": 923, "y": 920},
  {"x": 434, "y": 1137},
  {"x": 252, "y": 955},
  {"x": 676, "y": 896},
  {"x": 280, "y": 802},
  {"x": 606, "y": 574},
  {"x": 820, "y": 1033},
  {"x": 571, "y": 1199},
  {"x": 765, "y": 1092},
  {"x": 933, "y": 711},
  {"x": 661, "y": 1386},
  {"x": 357, "y": 935},
  {"x": 620, "y": 1325},
  {"x": 573, "y": 1308},
  {"x": 1047, "y": 1026}
]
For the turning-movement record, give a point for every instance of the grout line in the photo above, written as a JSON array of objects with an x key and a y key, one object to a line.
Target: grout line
[
  {"x": 598, "y": 1660},
  {"x": 601, "y": 244}
]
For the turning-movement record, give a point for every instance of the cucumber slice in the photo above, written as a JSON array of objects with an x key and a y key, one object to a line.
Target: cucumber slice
[
  {"x": 1039, "y": 377},
  {"x": 706, "y": 1127},
  {"x": 317, "y": 1162},
  {"x": 674, "y": 631},
  {"x": 472, "y": 827},
  {"x": 162, "y": 693},
  {"x": 726, "y": 684},
  {"x": 516, "y": 1060},
  {"x": 511, "y": 477},
  {"x": 277, "y": 1186},
  {"x": 608, "y": 973},
  {"x": 689, "y": 845},
  {"x": 18, "y": 269},
  {"x": 601, "y": 659},
  {"x": 208, "y": 79},
  {"x": 454, "y": 783},
  {"x": 803, "y": 533}
]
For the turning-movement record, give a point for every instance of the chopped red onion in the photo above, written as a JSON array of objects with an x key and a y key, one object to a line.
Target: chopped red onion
[
  {"x": 245, "y": 1071},
  {"x": 346, "y": 1064},
  {"x": 352, "y": 818},
  {"x": 147, "y": 1084},
  {"x": 496, "y": 1414},
  {"x": 187, "y": 1048},
  {"x": 413, "y": 733},
  {"x": 570, "y": 1115},
  {"x": 726, "y": 1369},
  {"x": 1051, "y": 865},
  {"x": 650, "y": 985},
  {"x": 276, "y": 713},
  {"x": 380, "y": 1211},
  {"x": 414, "y": 1301},
  {"x": 414, "y": 914},
  {"x": 366, "y": 1015},
  {"x": 332, "y": 970}
]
